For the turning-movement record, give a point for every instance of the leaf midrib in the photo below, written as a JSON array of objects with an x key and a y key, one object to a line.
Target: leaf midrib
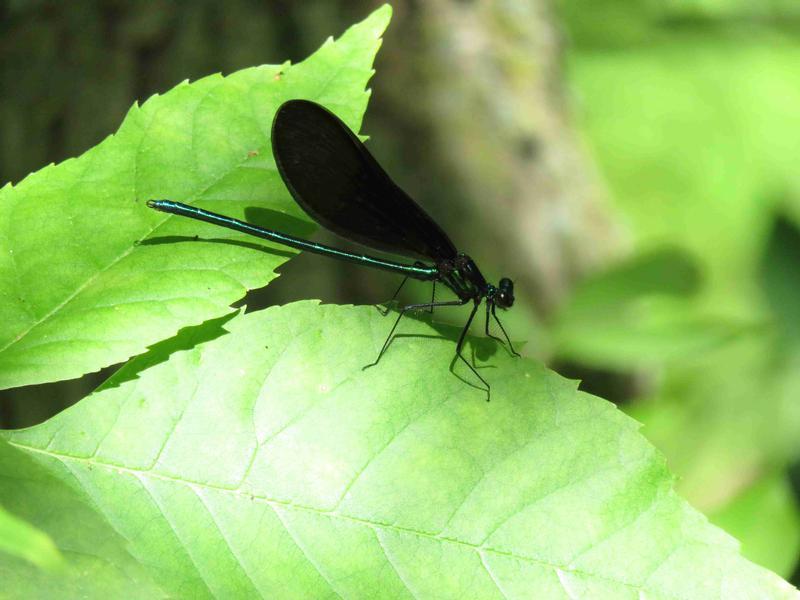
[
  {"x": 283, "y": 504},
  {"x": 116, "y": 260}
]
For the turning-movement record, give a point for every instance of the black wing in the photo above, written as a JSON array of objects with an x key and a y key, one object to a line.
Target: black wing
[{"x": 333, "y": 177}]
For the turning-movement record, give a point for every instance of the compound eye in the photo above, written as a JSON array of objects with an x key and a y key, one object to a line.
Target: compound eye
[
  {"x": 505, "y": 293},
  {"x": 502, "y": 299}
]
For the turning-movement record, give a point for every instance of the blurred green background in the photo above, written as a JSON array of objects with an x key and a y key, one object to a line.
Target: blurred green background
[{"x": 631, "y": 164}]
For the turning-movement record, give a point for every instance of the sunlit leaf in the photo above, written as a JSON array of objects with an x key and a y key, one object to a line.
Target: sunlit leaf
[
  {"x": 89, "y": 276},
  {"x": 267, "y": 462}
]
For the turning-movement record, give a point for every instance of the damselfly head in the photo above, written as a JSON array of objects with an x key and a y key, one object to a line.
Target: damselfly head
[{"x": 504, "y": 296}]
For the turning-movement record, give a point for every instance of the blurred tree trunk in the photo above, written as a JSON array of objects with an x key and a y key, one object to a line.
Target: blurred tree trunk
[{"x": 482, "y": 85}]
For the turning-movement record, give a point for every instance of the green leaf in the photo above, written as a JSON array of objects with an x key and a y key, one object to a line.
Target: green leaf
[
  {"x": 81, "y": 554},
  {"x": 79, "y": 292},
  {"x": 19, "y": 538},
  {"x": 267, "y": 462}
]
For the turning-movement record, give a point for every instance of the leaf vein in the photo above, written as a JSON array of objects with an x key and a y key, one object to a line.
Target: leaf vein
[
  {"x": 362, "y": 521},
  {"x": 388, "y": 443},
  {"x": 301, "y": 547},
  {"x": 184, "y": 545},
  {"x": 391, "y": 562},
  {"x": 557, "y": 430},
  {"x": 128, "y": 250},
  {"x": 225, "y": 539},
  {"x": 491, "y": 575}
]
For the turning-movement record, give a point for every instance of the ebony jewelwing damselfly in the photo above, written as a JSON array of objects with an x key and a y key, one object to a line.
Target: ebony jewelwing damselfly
[{"x": 335, "y": 179}]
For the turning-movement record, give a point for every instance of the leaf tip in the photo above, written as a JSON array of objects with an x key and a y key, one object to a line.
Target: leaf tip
[
  {"x": 383, "y": 14},
  {"x": 376, "y": 22}
]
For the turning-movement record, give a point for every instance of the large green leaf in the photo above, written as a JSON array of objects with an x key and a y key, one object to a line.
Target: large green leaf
[
  {"x": 268, "y": 462},
  {"x": 77, "y": 290}
]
